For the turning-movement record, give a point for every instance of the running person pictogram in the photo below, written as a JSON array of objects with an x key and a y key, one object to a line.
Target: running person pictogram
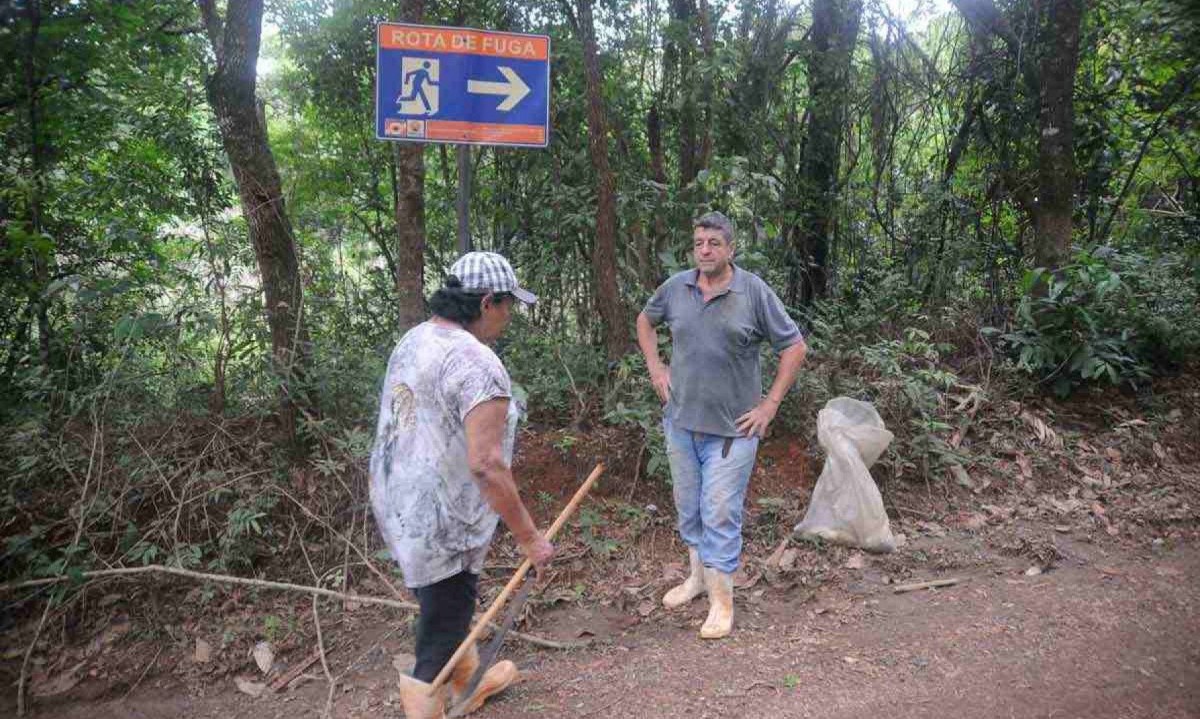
[{"x": 415, "y": 83}]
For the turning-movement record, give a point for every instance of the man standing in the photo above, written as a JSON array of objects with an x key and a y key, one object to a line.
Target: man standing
[{"x": 715, "y": 411}]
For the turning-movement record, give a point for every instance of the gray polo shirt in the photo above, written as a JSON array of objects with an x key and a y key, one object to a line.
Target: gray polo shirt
[{"x": 716, "y": 375}]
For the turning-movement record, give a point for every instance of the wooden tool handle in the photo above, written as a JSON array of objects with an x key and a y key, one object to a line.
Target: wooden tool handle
[{"x": 498, "y": 602}]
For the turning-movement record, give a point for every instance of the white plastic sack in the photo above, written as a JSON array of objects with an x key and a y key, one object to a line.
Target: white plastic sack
[{"x": 846, "y": 507}]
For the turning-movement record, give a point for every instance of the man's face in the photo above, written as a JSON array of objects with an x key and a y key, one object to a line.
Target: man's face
[{"x": 713, "y": 253}]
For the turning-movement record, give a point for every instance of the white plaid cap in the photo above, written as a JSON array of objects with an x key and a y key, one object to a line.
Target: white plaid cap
[{"x": 489, "y": 272}]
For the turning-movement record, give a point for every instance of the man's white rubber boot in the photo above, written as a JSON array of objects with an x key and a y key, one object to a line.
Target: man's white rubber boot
[
  {"x": 414, "y": 697},
  {"x": 720, "y": 604},
  {"x": 495, "y": 680},
  {"x": 691, "y": 588}
]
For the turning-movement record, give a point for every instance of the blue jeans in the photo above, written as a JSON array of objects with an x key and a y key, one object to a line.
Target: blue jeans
[{"x": 710, "y": 489}]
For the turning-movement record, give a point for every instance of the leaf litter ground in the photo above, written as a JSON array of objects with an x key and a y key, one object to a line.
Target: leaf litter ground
[{"x": 1073, "y": 540}]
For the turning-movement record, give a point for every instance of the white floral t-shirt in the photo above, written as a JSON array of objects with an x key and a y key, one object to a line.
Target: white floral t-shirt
[{"x": 434, "y": 519}]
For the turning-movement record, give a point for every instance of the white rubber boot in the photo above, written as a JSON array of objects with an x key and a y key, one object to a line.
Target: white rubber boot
[
  {"x": 691, "y": 588},
  {"x": 720, "y": 604}
]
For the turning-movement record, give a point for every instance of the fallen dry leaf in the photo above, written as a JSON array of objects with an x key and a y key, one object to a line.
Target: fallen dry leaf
[
  {"x": 1025, "y": 464},
  {"x": 1044, "y": 434},
  {"x": 772, "y": 562},
  {"x": 118, "y": 628},
  {"x": 245, "y": 686},
  {"x": 746, "y": 581},
  {"x": 933, "y": 529},
  {"x": 64, "y": 682},
  {"x": 975, "y": 522},
  {"x": 1002, "y": 513},
  {"x": 961, "y": 477},
  {"x": 264, "y": 656},
  {"x": 203, "y": 651}
]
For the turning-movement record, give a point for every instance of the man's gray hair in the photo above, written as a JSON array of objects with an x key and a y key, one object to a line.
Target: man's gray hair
[{"x": 715, "y": 221}]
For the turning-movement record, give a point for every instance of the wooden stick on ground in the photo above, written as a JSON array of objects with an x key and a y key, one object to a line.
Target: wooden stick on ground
[
  {"x": 290, "y": 675},
  {"x": 286, "y": 586},
  {"x": 914, "y": 586},
  {"x": 513, "y": 583}
]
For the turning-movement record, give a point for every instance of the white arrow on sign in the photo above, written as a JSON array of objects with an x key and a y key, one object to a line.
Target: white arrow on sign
[{"x": 515, "y": 88}]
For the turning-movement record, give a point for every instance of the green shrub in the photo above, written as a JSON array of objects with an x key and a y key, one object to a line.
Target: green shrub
[
  {"x": 631, "y": 401},
  {"x": 559, "y": 378},
  {"x": 1106, "y": 316}
]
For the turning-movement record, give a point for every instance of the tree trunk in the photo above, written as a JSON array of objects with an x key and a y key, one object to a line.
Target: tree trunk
[
  {"x": 831, "y": 43},
  {"x": 604, "y": 250},
  {"x": 1056, "y": 122},
  {"x": 220, "y": 276},
  {"x": 658, "y": 170},
  {"x": 708, "y": 45},
  {"x": 410, "y": 233},
  {"x": 681, "y": 16},
  {"x": 41, "y": 259},
  {"x": 409, "y": 209},
  {"x": 231, "y": 92}
]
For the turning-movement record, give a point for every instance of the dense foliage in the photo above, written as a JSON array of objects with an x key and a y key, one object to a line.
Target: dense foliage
[{"x": 883, "y": 170}]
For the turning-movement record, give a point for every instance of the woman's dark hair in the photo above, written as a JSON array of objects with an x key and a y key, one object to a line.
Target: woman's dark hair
[{"x": 453, "y": 303}]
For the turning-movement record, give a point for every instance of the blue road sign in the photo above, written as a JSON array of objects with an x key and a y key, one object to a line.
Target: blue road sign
[{"x": 458, "y": 85}]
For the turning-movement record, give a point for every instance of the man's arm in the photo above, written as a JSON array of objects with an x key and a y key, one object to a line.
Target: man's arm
[
  {"x": 660, "y": 373},
  {"x": 789, "y": 366},
  {"x": 758, "y": 419},
  {"x": 485, "y": 425}
]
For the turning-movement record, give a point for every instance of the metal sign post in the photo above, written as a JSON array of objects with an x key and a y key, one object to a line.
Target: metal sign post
[{"x": 463, "y": 206}]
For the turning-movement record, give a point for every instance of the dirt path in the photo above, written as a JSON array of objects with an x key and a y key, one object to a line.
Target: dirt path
[
  {"x": 1111, "y": 631},
  {"x": 1121, "y": 641}
]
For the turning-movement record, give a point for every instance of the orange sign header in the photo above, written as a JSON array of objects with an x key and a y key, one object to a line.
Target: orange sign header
[{"x": 425, "y": 38}]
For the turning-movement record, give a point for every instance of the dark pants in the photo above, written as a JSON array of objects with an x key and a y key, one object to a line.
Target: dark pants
[{"x": 445, "y": 619}]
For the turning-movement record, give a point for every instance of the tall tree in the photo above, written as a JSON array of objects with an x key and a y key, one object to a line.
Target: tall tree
[
  {"x": 831, "y": 43},
  {"x": 604, "y": 249},
  {"x": 41, "y": 257},
  {"x": 679, "y": 49},
  {"x": 409, "y": 206},
  {"x": 1048, "y": 79},
  {"x": 231, "y": 89},
  {"x": 1059, "y": 41}
]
